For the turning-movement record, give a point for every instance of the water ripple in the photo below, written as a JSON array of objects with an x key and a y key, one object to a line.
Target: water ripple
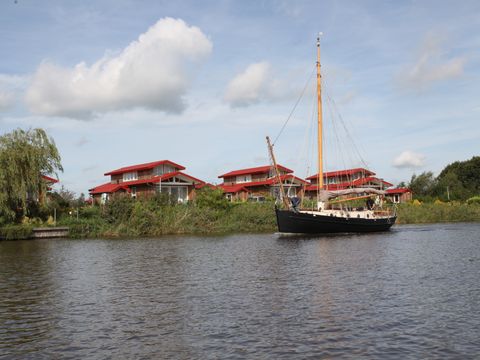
[{"x": 410, "y": 293}]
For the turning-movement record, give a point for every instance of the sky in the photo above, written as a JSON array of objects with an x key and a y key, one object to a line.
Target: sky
[{"x": 201, "y": 83}]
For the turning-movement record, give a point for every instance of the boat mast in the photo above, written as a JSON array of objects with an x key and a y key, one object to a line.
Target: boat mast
[
  {"x": 320, "y": 125},
  {"x": 277, "y": 174}
]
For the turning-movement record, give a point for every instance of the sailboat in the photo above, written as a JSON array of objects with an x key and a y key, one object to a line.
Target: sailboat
[{"x": 326, "y": 218}]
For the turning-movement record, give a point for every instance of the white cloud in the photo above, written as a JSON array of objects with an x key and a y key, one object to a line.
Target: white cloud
[
  {"x": 255, "y": 84},
  {"x": 431, "y": 66},
  {"x": 409, "y": 159},
  {"x": 10, "y": 85},
  {"x": 6, "y": 100},
  {"x": 152, "y": 72}
]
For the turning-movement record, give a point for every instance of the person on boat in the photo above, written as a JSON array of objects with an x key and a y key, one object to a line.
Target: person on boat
[
  {"x": 370, "y": 204},
  {"x": 295, "y": 201}
]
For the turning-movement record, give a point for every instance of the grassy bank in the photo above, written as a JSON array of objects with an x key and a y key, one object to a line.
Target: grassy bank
[
  {"x": 143, "y": 219},
  {"x": 437, "y": 212},
  {"x": 212, "y": 214},
  {"x": 16, "y": 232},
  {"x": 150, "y": 221}
]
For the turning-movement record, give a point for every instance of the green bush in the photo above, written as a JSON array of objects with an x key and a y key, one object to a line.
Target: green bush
[
  {"x": 212, "y": 198},
  {"x": 89, "y": 212},
  {"x": 118, "y": 209}
]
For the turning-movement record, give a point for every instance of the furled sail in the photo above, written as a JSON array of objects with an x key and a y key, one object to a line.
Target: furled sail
[{"x": 326, "y": 195}]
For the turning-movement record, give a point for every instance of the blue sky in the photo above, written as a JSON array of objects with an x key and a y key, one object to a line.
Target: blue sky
[{"x": 202, "y": 83}]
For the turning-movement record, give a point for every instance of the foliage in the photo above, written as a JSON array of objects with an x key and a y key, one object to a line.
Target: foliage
[
  {"x": 440, "y": 212},
  {"x": 467, "y": 172},
  {"x": 118, "y": 209},
  {"x": 85, "y": 227},
  {"x": 422, "y": 185},
  {"x": 474, "y": 200},
  {"x": 457, "y": 181},
  {"x": 24, "y": 157},
  {"x": 213, "y": 198},
  {"x": 16, "y": 232}
]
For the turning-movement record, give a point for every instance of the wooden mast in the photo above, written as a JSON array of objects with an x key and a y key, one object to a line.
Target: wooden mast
[
  {"x": 277, "y": 174},
  {"x": 320, "y": 125}
]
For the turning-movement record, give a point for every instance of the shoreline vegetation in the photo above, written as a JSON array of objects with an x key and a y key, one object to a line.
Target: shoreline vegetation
[
  {"x": 209, "y": 214},
  {"x": 28, "y": 159}
]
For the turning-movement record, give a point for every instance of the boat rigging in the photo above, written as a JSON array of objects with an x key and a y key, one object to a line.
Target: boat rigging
[{"x": 291, "y": 218}]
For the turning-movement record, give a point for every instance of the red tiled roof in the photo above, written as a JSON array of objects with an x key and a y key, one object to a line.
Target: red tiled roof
[
  {"x": 398, "y": 191},
  {"x": 346, "y": 185},
  {"x": 145, "y": 166},
  {"x": 49, "y": 179},
  {"x": 106, "y": 188},
  {"x": 233, "y": 188},
  {"x": 176, "y": 173},
  {"x": 110, "y": 188},
  {"x": 342, "y": 172},
  {"x": 270, "y": 181},
  {"x": 255, "y": 170}
]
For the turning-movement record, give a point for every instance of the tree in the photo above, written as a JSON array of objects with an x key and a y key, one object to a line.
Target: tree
[
  {"x": 449, "y": 187},
  {"x": 24, "y": 157},
  {"x": 422, "y": 185},
  {"x": 466, "y": 176}
]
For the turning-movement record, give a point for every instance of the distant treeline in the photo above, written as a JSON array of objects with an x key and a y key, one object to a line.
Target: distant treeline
[{"x": 457, "y": 181}]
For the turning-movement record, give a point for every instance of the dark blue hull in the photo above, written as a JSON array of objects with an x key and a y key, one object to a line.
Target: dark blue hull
[{"x": 299, "y": 223}]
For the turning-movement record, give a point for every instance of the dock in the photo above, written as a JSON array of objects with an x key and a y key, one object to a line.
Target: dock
[{"x": 50, "y": 232}]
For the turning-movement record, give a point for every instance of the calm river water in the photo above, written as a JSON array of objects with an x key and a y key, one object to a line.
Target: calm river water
[{"x": 413, "y": 292}]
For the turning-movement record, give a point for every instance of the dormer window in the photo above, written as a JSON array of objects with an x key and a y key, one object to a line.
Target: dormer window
[
  {"x": 130, "y": 176},
  {"x": 163, "y": 169}
]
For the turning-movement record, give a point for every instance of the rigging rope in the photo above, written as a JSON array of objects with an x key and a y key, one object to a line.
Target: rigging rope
[{"x": 295, "y": 106}]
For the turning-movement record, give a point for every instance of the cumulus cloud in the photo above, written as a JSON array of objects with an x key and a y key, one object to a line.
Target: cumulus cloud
[
  {"x": 409, "y": 159},
  {"x": 255, "y": 84},
  {"x": 152, "y": 72},
  {"x": 10, "y": 85},
  {"x": 431, "y": 65},
  {"x": 6, "y": 100}
]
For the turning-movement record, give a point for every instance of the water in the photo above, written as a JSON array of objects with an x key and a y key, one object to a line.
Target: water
[{"x": 411, "y": 293}]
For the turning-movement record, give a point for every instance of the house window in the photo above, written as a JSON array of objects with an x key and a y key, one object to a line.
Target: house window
[
  {"x": 134, "y": 192},
  {"x": 396, "y": 198},
  {"x": 103, "y": 198},
  {"x": 163, "y": 169},
  {"x": 130, "y": 176},
  {"x": 244, "y": 179},
  {"x": 178, "y": 193}
]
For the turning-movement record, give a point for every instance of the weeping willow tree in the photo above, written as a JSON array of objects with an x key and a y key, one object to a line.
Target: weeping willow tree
[{"x": 24, "y": 157}]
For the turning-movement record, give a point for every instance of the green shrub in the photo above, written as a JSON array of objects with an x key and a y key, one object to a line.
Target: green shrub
[
  {"x": 212, "y": 198},
  {"x": 89, "y": 212},
  {"x": 119, "y": 209}
]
